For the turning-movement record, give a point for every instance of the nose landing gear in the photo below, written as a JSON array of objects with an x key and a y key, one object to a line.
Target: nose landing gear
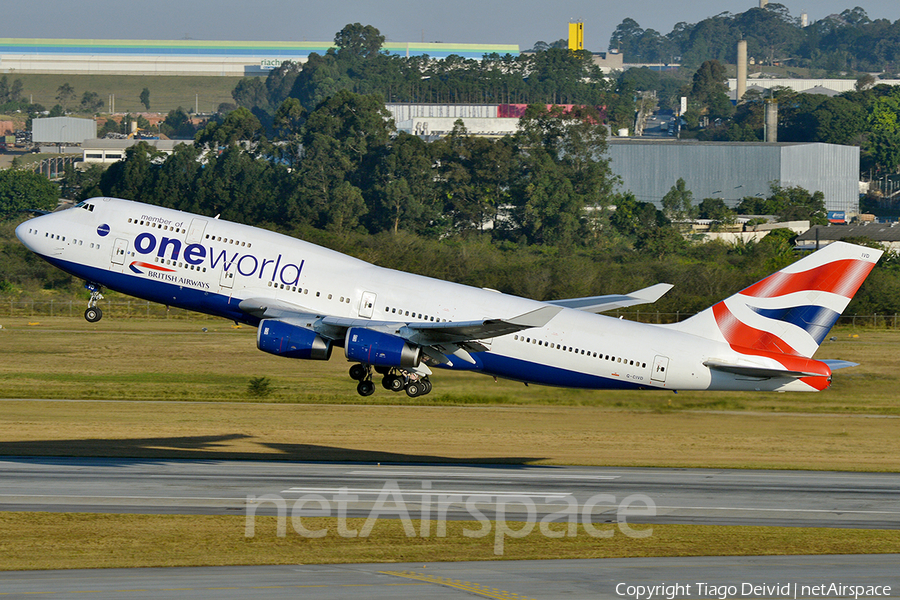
[{"x": 93, "y": 313}]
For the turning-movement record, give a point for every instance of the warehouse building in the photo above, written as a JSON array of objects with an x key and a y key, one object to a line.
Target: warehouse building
[
  {"x": 104, "y": 152},
  {"x": 193, "y": 57},
  {"x": 735, "y": 170},
  {"x": 62, "y": 130},
  {"x": 886, "y": 234}
]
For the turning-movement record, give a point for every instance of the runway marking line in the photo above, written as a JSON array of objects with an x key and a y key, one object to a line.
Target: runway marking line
[{"x": 466, "y": 586}]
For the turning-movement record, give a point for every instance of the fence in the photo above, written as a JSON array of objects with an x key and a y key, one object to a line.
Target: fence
[
  {"x": 883, "y": 321},
  {"x": 73, "y": 308},
  {"x": 152, "y": 310}
]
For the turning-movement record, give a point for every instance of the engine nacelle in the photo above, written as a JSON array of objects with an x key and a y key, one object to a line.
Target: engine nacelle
[
  {"x": 284, "y": 339},
  {"x": 380, "y": 349}
]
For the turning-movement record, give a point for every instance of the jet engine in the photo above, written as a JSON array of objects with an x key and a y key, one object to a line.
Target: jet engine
[
  {"x": 380, "y": 349},
  {"x": 284, "y": 339}
]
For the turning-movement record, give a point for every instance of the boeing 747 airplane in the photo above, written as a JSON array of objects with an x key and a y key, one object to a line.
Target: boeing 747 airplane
[{"x": 306, "y": 300}]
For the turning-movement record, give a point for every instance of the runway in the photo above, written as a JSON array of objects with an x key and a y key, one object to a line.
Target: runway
[
  {"x": 595, "y": 494},
  {"x": 603, "y": 494},
  {"x": 605, "y": 579}
]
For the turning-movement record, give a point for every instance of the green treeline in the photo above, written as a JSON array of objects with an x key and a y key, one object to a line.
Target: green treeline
[
  {"x": 536, "y": 214},
  {"x": 839, "y": 43}
]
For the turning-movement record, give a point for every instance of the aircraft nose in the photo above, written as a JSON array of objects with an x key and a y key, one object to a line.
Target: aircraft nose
[{"x": 25, "y": 233}]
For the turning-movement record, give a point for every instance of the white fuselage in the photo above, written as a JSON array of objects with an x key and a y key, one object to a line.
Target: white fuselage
[{"x": 209, "y": 265}]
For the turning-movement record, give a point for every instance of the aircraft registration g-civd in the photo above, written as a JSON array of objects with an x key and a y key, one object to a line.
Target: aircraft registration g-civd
[{"x": 305, "y": 300}]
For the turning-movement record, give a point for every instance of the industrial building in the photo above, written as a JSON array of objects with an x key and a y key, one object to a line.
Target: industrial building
[
  {"x": 104, "y": 152},
  {"x": 735, "y": 170},
  {"x": 193, "y": 57},
  {"x": 433, "y": 121},
  {"x": 832, "y": 86},
  {"x": 62, "y": 130},
  {"x": 887, "y": 234}
]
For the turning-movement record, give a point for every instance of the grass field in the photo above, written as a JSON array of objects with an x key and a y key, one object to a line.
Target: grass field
[
  {"x": 166, "y": 93},
  {"x": 315, "y": 414},
  {"x": 67, "y": 541}
]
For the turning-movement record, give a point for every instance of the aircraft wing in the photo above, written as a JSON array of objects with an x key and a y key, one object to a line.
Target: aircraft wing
[
  {"x": 598, "y": 304},
  {"x": 437, "y": 339}
]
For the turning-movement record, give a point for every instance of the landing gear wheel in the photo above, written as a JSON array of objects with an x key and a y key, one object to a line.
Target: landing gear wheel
[
  {"x": 414, "y": 388},
  {"x": 396, "y": 383},
  {"x": 427, "y": 385},
  {"x": 386, "y": 382},
  {"x": 365, "y": 388},
  {"x": 358, "y": 372},
  {"x": 93, "y": 314}
]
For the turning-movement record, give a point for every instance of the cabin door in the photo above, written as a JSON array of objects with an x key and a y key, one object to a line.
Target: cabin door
[{"x": 660, "y": 365}]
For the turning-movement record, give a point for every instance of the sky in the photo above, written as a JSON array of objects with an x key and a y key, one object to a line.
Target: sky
[{"x": 521, "y": 22}]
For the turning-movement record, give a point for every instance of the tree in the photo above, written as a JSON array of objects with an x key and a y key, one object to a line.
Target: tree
[
  {"x": 65, "y": 94},
  {"x": 788, "y": 204},
  {"x": 251, "y": 92},
  {"x": 131, "y": 178},
  {"x": 560, "y": 169},
  {"x": 709, "y": 89},
  {"x": 716, "y": 211},
  {"x": 342, "y": 139},
  {"x": 91, "y": 102},
  {"x": 358, "y": 40},
  {"x": 145, "y": 98},
  {"x": 678, "y": 202},
  {"x": 240, "y": 125},
  {"x": 177, "y": 124},
  {"x": 865, "y": 82},
  {"x": 23, "y": 190},
  {"x": 288, "y": 126}
]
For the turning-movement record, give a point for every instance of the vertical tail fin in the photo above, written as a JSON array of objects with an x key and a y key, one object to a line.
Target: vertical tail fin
[{"x": 791, "y": 311}]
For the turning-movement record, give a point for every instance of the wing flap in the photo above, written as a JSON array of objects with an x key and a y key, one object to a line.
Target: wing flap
[{"x": 456, "y": 332}]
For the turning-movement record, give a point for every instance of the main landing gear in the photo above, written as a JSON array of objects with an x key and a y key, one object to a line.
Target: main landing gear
[
  {"x": 393, "y": 379},
  {"x": 93, "y": 313}
]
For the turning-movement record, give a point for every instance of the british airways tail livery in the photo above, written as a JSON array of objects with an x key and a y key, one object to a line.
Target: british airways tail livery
[{"x": 306, "y": 300}]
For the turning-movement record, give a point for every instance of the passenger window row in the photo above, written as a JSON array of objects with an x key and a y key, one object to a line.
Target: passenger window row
[
  {"x": 153, "y": 225},
  {"x": 300, "y": 290},
  {"x": 598, "y": 355},
  {"x": 227, "y": 240},
  {"x": 175, "y": 263}
]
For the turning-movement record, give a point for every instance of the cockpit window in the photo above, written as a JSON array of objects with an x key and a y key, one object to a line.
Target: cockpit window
[{"x": 86, "y": 206}]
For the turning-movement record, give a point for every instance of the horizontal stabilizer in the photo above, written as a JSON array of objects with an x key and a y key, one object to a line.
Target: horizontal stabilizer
[
  {"x": 598, "y": 304},
  {"x": 755, "y": 371},
  {"x": 834, "y": 365}
]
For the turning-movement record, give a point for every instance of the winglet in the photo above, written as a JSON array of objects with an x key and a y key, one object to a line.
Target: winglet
[
  {"x": 598, "y": 304},
  {"x": 653, "y": 293}
]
